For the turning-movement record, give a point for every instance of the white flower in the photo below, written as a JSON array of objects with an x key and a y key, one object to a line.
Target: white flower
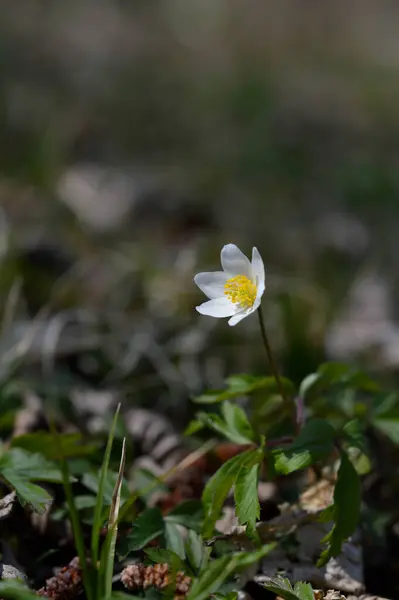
[{"x": 236, "y": 291}]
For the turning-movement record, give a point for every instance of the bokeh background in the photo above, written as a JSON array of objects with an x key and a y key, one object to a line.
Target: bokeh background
[{"x": 136, "y": 138}]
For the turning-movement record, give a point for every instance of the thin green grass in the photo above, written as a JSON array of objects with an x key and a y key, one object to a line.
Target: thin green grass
[{"x": 98, "y": 510}]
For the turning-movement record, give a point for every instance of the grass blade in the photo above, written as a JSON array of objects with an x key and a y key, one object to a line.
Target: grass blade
[
  {"x": 109, "y": 556},
  {"x": 97, "y": 521}
]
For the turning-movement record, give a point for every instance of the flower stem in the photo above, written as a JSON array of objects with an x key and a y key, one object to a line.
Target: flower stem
[{"x": 272, "y": 362}]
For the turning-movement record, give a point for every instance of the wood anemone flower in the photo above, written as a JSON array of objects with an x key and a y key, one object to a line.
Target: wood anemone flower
[{"x": 236, "y": 291}]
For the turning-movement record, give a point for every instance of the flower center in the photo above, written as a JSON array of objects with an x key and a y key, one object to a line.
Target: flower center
[{"x": 240, "y": 290}]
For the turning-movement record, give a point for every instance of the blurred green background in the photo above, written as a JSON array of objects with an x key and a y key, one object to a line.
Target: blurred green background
[{"x": 137, "y": 138}]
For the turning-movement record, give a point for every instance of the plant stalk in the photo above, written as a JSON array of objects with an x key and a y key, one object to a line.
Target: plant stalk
[{"x": 273, "y": 366}]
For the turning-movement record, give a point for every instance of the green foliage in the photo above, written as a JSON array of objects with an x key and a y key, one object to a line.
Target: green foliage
[
  {"x": 281, "y": 586},
  {"x": 15, "y": 590},
  {"x": 161, "y": 555},
  {"x": 233, "y": 424},
  {"x": 216, "y": 573},
  {"x": 151, "y": 525},
  {"x": 44, "y": 443},
  {"x": 104, "y": 473},
  {"x": 334, "y": 375},
  {"x": 346, "y": 509},
  {"x": 222, "y": 481},
  {"x": 148, "y": 526},
  {"x": 314, "y": 442},
  {"x": 246, "y": 492},
  {"x": 19, "y": 468},
  {"x": 242, "y": 385},
  {"x": 197, "y": 554}
]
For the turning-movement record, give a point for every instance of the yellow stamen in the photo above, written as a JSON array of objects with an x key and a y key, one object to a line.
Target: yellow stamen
[{"x": 240, "y": 290}]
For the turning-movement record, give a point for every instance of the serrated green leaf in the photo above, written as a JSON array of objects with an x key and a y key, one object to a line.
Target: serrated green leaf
[
  {"x": 315, "y": 441},
  {"x": 174, "y": 539},
  {"x": 281, "y": 586},
  {"x": 196, "y": 552},
  {"x": 216, "y": 423},
  {"x": 347, "y": 500},
  {"x": 30, "y": 493},
  {"x": 22, "y": 464},
  {"x": 237, "y": 421},
  {"x": 190, "y": 514},
  {"x": 218, "y": 487},
  {"x": 20, "y": 468},
  {"x": 148, "y": 526},
  {"x": 246, "y": 493},
  {"x": 304, "y": 591}
]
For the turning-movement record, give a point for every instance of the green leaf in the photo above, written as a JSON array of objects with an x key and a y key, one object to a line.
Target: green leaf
[
  {"x": 212, "y": 578},
  {"x": 85, "y": 501},
  {"x": 160, "y": 555},
  {"x": 282, "y": 587},
  {"x": 193, "y": 427},
  {"x": 190, "y": 514},
  {"x": 102, "y": 480},
  {"x": 342, "y": 373},
  {"x": 239, "y": 385},
  {"x": 218, "y": 487},
  {"x": 246, "y": 493},
  {"x": 216, "y": 423},
  {"x": 25, "y": 465},
  {"x": 246, "y": 559},
  {"x": 237, "y": 421},
  {"x": 304, "y": 591},
  {"x": 333, "y": 374},
  {"x": 148, "y": 526},
  {"x": 357, "y": 446},
  {"x": 174, "y": 539},
  {"x": 353, "y": 433},
  {"x": 43, "y": 442},
  {"x": 16, "y": 590},
  {"x": 196, "y": 552},
  {"x": 92, "y": 482},
  {"x": 315, "y": 441},
  {"x": 347, "y": 500},
  {"x": 389, "y": 427},
  {"x": 216, "y": 573},
  {"x": 20, "y": 468},
  {"x": 32, "y": 494}
]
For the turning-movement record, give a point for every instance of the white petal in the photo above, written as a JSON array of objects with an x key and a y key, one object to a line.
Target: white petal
[
  {"x": 212, "y": 284},
  {"x": 239, "y": 316},
  {"x": 219, "y": 307},
  {"x": 257, "y": 302},
  {"x": 258, "y": 268},
  {"x": 234, "y": 262}
]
